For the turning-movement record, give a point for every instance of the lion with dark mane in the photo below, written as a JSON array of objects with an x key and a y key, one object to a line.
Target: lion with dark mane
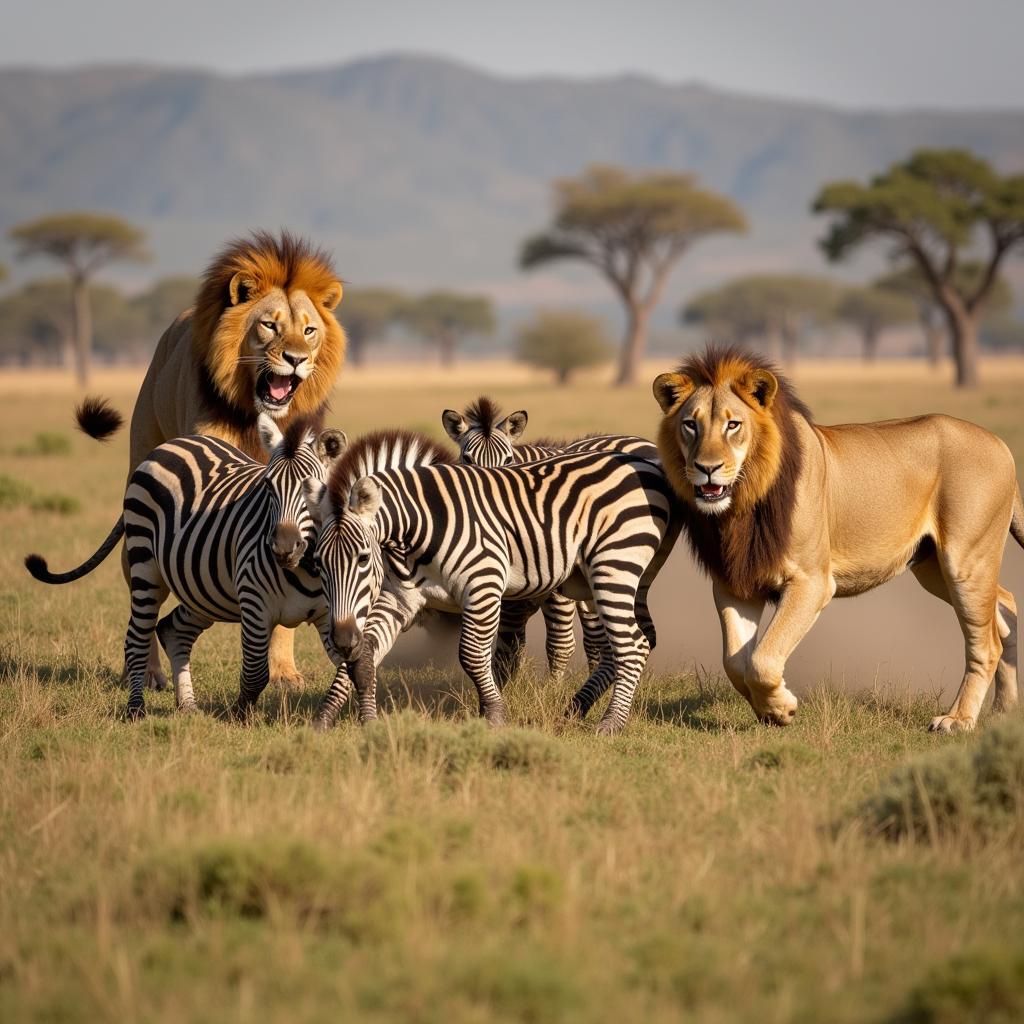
[
  {"x": 781, "y": 510},
  {"x": 261, "y": 337}
]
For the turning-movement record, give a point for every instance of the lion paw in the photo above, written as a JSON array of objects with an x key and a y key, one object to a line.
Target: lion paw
[
  {"x": 950, "y": 723},
  {"x": 778, "y": 707},
  {"x": 287, "y": 678}
]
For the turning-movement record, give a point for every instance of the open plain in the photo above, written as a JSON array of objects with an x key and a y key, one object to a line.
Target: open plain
[{"x": 699, "y": 866}]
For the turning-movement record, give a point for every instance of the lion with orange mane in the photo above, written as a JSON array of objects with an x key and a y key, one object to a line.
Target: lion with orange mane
[
  {"x": 781, "y": 510},
  {"x": 261, "y": 337}
]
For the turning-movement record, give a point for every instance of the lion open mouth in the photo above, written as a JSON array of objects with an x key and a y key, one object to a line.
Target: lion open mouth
[
  {"x": 713, "y": 492},
  {"x": 276, "y": 389}
]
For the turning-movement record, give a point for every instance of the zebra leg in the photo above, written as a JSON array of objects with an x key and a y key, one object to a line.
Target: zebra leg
[
  {"x": 593, "y": 635},
  {"x": 178, "y": 632},
  {"x": 148, "y": 592},
  {"x": 155, "y": 677},
  {"x": 255, "y": 662},
  {"x": 334, "y": 699},
  {"x": 630, "y": 650},
  {"x": 480, "y": 616},
  {"x": 559, "y": 619},
  {"x": 511, "y": 646}
]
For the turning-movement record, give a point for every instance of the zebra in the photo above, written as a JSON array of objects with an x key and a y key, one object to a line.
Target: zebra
[
  {"x": 227, "y": 536},
  {"x": 594, "y": 526},
  {"x": 486, "y": 438}
]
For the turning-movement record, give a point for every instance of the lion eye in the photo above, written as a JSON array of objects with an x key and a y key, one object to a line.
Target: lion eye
[
  {"x": 733, "y": 425},
  {"x": 310, "y": 330},
  {"x": 690, "y": 425},
  {"x": 269, "y": 324}
]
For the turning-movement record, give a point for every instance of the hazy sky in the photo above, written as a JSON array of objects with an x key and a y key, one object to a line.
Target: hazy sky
[{"x": 880, "y": 53}]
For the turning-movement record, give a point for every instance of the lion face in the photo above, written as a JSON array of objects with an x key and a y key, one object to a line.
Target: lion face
[
  {"x": 283, "y": 337},
  {"x": 715, "y": 427}
]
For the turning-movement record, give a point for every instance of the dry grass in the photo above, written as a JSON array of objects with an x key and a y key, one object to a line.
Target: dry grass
[{"x": 698, "y": 866}]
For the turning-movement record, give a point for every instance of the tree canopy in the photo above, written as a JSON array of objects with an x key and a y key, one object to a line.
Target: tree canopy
[
  {"x": 564, "y": 342},
  {"x": 367, "y": 313},
  {"x": 633, "y": 228},
  {"x": 444, "y": 318},
  {"x": 871, "y": 311},
  {"x": 165, "y": 300},
  {"x": 932, "y": 208},
  {"x": 770, "y": 308}
]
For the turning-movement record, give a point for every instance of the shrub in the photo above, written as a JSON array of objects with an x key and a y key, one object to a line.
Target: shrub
[{"x": 45, "y": 443}]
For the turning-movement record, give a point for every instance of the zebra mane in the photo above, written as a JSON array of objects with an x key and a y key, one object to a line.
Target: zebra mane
[
  {"x": 377, "y": 451},
  {"x": 484, "y": 413},
  {"x": 296, "y": 432}
]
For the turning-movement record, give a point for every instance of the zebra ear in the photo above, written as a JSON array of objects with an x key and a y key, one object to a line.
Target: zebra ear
[
  {"x": 514, "y": 424},
  {"x": 365, "y": 498},
  {"x": 330, "y": 445},
  {"x": 454, "y": 423},
  {"x": 269, "y": 431},
  {"x": 317, "y": 498}
]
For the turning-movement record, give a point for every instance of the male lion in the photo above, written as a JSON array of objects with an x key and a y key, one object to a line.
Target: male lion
[
  {"x": 261, "y": 337},
  {"x": 781, "y": 510}
]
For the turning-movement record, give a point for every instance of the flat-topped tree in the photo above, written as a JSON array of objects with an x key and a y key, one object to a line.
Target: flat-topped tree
[
  {"x": 774, "y": 308},
  {"x": 908, "y": 280},
  {"x": 633, "y": 228},
  {"x": 873, "y": 310},
  {"x": 367, "y": 314},
  {"x": 935, "y": 207},
  {"x": 83, "y": 243},
  {"x": 444, "y": 318}
]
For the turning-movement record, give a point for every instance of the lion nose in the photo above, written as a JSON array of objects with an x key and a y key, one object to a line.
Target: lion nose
[
  {"x": 287, "y": 543},
  {"x": 346, "y": 636},
  {"x": 296, "y": 361},
  {"x": 709, "y": 469}
]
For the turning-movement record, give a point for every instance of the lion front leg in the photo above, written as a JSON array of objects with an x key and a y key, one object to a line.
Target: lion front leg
[
  {"x": 283, "y": 671},
  {"x": 799, "y": 607},
  {"x": 740, "y": 621}
]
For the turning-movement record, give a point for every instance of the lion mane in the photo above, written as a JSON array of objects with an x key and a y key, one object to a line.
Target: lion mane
[{"x": 745, "y": 547}]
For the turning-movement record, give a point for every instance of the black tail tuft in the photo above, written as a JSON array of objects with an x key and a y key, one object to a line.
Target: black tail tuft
[
  {"x": 98, "y": 418},
  {"x": 36, "y": 565}
]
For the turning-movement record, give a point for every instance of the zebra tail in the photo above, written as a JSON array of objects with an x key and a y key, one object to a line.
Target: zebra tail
[
  {"x": 1017, "y": 522},
  {"x": 37, "y": 566}
]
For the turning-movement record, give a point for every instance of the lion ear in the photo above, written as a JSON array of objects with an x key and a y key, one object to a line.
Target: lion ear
[
  {"x": 760, "y": 385},
  {"x": 332, "y": 295},
  {"x": 242, "y": 288},
  {"x": 670, "y": 389}
]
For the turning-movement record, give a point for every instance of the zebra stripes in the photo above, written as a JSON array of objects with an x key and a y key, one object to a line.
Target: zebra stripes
[
  {"x": 592, "y": 526},
  {"x": 226, "y": 535},
  {"x": 486, "y": 438}
]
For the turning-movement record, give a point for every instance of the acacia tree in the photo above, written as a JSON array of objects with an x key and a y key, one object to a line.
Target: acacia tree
[
  {"x": 443, "y": 319},
  {"x": 934, "y": 207},
  {"x": 910, "y": 282},
  {"x": 633, "y": 229},
  {"x": 563, "y": 342},
  {"x": 773, "y": 307},
  {"x": 165, "y": 300},
  {"x": 82, "y": 242},
  {"x": 367, "y": 313},
  {"x": 871, "y": 311}
]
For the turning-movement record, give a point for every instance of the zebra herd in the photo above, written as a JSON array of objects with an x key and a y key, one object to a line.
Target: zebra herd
[{"x": 362, "y": 539}]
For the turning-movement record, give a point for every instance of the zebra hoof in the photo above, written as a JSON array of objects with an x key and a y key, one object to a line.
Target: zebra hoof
[
  {"x": 495, "y": 716},
  {"x": 239, "y": 711},
  {"x": 609, "y": 727},
  {"x": 320, "y": 724},
  {"x": 135, "y": 712}
]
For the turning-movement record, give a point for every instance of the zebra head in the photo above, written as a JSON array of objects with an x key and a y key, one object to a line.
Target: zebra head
[
  {"x": 483, "y": 438},
  {"x": 294, "y": 456},
  {"x": 348, "y": 558}
]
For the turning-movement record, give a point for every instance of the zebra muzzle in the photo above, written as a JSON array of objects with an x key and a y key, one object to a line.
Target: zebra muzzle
[
  {"x": 346, "y": 637},
  {"x": 287, "y": 545}
]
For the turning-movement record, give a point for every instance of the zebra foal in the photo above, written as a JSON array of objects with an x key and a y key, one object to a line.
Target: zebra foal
[
  {"x": 226, "y": 535},
  {"x": 486, "y": 438},
  {"x": 594, "y": 526}
]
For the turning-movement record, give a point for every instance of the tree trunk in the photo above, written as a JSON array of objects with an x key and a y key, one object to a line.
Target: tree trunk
[
  {"x": 870, "y": 336},
  {"x": 355, "y": 352},
  {"x": 790, "y": 337},
  {"x": 634, "y": 343},
  {"x": 963, "y": 332},
  {"x": 81, "y": 329},
  {"x": 774, "y": 338},
  {"x": 562, "y": 374},
  {"x": 934, "y": 336},
  {"x": 446, "y": 349}
]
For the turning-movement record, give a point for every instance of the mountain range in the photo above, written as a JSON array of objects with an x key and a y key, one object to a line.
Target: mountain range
[{"x": 421, "y": 172}]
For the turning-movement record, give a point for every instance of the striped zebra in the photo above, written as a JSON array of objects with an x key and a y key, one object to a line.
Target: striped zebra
[
  {"x": 486, "y": 438},
  {"x": 593, "y": 526},
  {"x": 227, "y": 536}
]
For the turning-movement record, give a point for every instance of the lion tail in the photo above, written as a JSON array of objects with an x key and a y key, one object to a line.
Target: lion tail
[
  {"x": 98, "y": 418},
  {"x": 1017, "y": 522},
  {"x": 37, "y": 566}
]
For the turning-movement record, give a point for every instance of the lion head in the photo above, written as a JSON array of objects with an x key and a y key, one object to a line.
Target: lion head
[
  {"x": 264, "y": 328},
  {"x": 732, "y": 453}
]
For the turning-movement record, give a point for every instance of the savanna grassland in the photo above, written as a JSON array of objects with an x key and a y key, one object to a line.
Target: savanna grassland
[{"x": 699, "y": 866}]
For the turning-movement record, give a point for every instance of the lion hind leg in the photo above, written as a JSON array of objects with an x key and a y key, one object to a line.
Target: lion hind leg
[
  {"x": 1006, "y": 673},
  {"x": 973, "y": 591}
]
